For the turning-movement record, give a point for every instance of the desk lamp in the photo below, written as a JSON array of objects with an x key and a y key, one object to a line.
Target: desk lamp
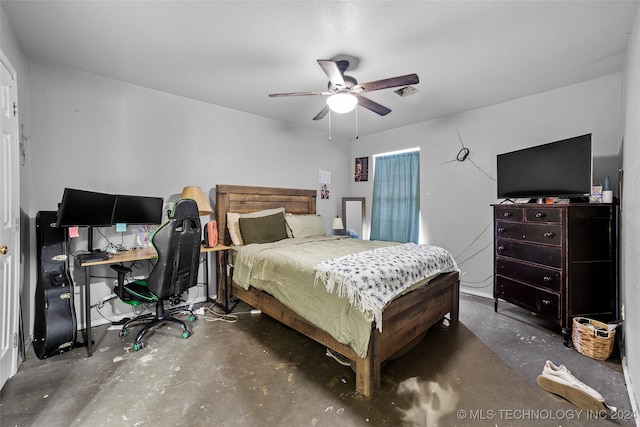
[{"x": 195, "y": 193}]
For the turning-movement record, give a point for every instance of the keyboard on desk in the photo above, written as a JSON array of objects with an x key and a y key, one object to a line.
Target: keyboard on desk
[{"x": 92, "y": 256}]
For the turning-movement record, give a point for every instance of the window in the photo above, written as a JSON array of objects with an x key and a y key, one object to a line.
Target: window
[{"x": 395, "y": 209}]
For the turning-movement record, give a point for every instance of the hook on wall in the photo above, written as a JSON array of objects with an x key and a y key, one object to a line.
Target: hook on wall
[{"x": 464, "y": 154}]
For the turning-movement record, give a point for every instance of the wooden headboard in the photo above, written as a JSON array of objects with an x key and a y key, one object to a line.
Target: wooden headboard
[{"x": 245, "y": 199}]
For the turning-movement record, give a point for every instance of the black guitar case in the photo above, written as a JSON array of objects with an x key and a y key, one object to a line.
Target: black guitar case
[{"x": 54, "y": 330}]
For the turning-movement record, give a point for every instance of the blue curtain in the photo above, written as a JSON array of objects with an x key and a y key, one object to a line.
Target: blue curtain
[{"x": 395, "y": 206}]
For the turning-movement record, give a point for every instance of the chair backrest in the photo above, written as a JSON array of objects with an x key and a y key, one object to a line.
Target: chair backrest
[{"x": 177, "y": 242}]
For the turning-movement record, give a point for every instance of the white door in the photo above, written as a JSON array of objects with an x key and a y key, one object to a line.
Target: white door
[{"x": 9, "y": 222}]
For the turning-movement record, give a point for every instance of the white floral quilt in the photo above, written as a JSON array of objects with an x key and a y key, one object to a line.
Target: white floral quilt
[{"x": 372, "y": 279}]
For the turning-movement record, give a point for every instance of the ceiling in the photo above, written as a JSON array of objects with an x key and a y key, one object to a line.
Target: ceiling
[{"x": 234, "y": 53}]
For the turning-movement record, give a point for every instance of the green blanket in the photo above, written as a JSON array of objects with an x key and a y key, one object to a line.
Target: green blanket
[{"x": 286, "y": 270}]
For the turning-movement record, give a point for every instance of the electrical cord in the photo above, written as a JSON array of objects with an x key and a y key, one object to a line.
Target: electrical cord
[
  {"x": 109, "y": 244},
  {"x": 474, "y": 240},
  {"x": 76, "y": 253},
  {"x": 72, "y": 252},
  {"x": 459, "y": 263},
  {"x": 467, "y": 284},
  {"x": 342, "y": 360},
  {"x": 212, "y": 314},
  {"x": 474, "y": 254},
  {"x": 465, "y": 154}
]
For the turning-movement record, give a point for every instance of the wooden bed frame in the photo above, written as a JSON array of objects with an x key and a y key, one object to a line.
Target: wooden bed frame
[{"x": 405, "y": 320}]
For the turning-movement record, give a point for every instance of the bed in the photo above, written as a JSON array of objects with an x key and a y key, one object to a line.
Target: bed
[{"x": 405, "y": 320}]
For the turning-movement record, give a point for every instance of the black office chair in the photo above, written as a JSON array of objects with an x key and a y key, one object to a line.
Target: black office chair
[{"x": 177, "y": 242}]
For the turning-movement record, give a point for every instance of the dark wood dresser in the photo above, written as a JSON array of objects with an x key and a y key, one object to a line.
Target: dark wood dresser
[{"x": 558, "y": 261}]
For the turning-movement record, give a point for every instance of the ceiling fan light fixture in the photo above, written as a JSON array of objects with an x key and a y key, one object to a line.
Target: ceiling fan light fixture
[{"x": 342, "y": 102}]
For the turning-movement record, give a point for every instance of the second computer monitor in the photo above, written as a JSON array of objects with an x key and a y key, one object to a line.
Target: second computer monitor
[{"x": 137, "y": 210}]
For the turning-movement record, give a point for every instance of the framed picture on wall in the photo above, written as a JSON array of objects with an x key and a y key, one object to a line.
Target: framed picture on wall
[{"x": 361, "y": 169}]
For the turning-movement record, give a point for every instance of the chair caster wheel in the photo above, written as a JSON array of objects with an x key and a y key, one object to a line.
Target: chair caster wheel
[
  {"x": 192, "y": 318},
  {"x": 124, "y": 333},
  {"x": 138, "y": 346},
  {"x": 186, "y": 335}
]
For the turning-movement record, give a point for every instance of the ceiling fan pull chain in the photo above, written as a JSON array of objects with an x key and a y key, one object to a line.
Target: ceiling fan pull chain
[
  {"x": 357, "y": 122},
  {"x": 329, "y": 125}
]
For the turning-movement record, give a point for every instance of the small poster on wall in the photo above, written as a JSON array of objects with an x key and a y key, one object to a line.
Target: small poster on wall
[
  {"x": 324, "y": 177},
  {"x": 362, "y": 169}
]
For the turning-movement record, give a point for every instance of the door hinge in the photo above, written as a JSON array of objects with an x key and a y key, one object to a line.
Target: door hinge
[
  {"x": 15, "y": 340},
  {"x": 17, "y": 221},
  {"x": 15, "y": 109}
]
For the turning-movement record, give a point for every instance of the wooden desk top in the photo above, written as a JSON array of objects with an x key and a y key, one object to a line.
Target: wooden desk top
[{"x": 140, "y": 254}]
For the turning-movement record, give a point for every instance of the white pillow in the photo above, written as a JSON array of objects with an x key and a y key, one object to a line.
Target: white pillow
[
  {"x": 233, "y": 222},
  {"x": 305, "y": 225}
]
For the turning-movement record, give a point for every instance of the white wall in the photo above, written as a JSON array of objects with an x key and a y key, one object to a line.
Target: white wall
[
  {"x": 630, "y": 221},
  {"x": 456, "y": 196},
  {"x": 98, "y": 134}
]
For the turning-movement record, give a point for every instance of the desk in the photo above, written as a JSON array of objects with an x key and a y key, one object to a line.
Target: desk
[{"x": 139, "y": 255}]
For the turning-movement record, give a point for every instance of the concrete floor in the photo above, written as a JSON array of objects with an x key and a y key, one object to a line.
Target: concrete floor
[{"x": 256, "y": 372}]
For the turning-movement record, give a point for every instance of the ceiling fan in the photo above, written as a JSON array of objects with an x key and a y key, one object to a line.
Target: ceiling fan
[{"x": 345, "y": 93}]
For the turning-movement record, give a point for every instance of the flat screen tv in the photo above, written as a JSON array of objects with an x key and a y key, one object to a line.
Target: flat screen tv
[
  {"x": 81, "y": 208},
  {"x": 557, "y": 169},
  {"x": 137, "y": 210}
]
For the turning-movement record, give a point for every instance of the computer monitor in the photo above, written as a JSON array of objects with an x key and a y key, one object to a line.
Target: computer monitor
[
  {"x": 81, "y": 208},
  {"x": 137, "y": 210}
]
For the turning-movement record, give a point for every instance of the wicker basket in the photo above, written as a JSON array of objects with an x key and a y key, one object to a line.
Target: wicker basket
[{"x": 593, "y": 338}]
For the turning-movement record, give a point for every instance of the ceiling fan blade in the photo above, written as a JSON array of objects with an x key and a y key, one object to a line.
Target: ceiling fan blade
[
  {"x": 373, "y": 106},
  {"x": 409, "y": 79},
  {"x": 332, "y": 71},
  {"x": 322, "y": 113},
  {"x": 277, "y": 95}
]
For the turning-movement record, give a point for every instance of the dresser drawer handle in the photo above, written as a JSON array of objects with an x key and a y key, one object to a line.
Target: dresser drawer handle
[
  {"x": 547, "y": 279},
  {"x": 507, "y": 214},
  {"x": 502, "y": 229},
  {"x": 501, "y": 248},
  {"x": 540, "y": 214},
  {"x": 549, "y": 234},
  {"x": 546, "y": 302}
]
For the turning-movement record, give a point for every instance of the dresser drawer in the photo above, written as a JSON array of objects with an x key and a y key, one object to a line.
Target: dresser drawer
[
  {"x": 509, "y": 213},
  {"x": 540, "y": 214},
  {"x": 538, "y": 233},
  {"x": 539, "y": 254},
  {"x": 534, "y": 299},
  {"x": 539, "y": 276}
]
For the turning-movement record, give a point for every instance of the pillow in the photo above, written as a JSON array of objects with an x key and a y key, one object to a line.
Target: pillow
[
  {"x": 234, "y": 226},
  {"x": 305, "y": 225},
  {"x": 264, "y": 229}
]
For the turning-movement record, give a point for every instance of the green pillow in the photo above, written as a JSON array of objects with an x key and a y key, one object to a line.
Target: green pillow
[
  {"x": 305, "y": 225},
  {"x": 265, "y": 229}
]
